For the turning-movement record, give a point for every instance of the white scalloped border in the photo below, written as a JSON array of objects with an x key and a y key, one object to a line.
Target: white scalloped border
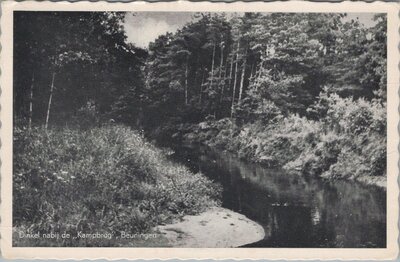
[{"x": 393, "y": 146}]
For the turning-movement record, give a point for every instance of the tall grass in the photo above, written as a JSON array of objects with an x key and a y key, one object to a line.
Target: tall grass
[{"x": 105, "y": 180}]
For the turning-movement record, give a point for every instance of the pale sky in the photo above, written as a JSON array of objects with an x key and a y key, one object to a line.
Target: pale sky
[{"x": 144, "y": 27}]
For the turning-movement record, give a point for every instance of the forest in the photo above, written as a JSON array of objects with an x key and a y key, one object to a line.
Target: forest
[{"x": 305, "y": 92}]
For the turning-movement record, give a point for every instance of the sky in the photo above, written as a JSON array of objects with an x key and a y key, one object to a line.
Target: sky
[{"x": 144, "y": 27}]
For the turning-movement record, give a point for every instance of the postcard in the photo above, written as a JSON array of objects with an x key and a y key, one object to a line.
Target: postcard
[{"x": 199, "y": 130}]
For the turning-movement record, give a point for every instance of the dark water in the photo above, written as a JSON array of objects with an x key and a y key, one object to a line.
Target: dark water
[{"x": 294, "y": 210}]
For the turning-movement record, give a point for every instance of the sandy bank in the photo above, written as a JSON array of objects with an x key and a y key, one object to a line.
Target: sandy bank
[{"x": 217, "y": 227}]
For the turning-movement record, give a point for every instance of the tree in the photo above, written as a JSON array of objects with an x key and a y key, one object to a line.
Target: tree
[
  {"x": 238, "y": 65},
  {"x": 77, "y": 57}
]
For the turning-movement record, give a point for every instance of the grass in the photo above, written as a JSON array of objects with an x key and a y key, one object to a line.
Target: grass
[{"x": 106, "y": 180}]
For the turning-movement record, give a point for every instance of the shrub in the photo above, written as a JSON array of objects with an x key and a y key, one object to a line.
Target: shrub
[{"x": 347, "y": 139}]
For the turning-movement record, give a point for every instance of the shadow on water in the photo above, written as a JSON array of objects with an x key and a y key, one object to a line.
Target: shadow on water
[{"x": 295, "y": 211}]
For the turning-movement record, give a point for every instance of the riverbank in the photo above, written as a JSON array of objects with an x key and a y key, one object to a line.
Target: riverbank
[
  {"x": 348, "y": 143},
  {"x": 311, "y": 153},
  {"x": 103, "y": 180},
  {"x": 215, "y": 228},
  {"x": 295, "y": 210}
]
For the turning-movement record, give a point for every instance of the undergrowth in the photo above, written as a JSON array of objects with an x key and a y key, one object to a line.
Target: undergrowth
[
  {"x": 103, "y": 180},
  {"x": 346, "y": 139}
]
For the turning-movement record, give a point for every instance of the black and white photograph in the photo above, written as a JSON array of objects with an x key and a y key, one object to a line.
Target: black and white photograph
[{"x": 192, "y": 129}]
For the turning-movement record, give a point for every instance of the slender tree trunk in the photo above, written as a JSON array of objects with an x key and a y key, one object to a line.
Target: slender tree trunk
[
  {"x": 230, "y": 73},
  {"x": 235, "y": 81},
  {"x": 31, "y": 102},
  {"x": 221, "y": 64},
  {"x": 242, "y": 77},
  {"x": 50, "y": 98},
  {"x": 212, "y": 67}
]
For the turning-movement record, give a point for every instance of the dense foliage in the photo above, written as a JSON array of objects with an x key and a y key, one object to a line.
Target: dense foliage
[
  {"x": 242, "y": 65},
  {"x": 104, "y": 180},
  {"x": 348, "y": 142},
  {"x": 69, "y": 64},
  {"x": 304, "y": 91}
]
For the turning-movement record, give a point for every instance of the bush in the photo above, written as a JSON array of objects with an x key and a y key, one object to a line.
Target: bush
[
  {"x": 106, "y": 179},
  {"x": 347, "y": 139}
]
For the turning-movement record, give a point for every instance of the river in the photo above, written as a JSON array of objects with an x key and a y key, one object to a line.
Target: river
[{"x": 294, "y": 210}]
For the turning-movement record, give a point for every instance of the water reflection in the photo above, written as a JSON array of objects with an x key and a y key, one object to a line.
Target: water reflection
[{"x": 295, "y": 211}]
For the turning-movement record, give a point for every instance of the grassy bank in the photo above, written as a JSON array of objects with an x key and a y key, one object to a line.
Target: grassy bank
[
  {"x": 347, "y": 142},
  {"x": 106, "y": 180}
]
